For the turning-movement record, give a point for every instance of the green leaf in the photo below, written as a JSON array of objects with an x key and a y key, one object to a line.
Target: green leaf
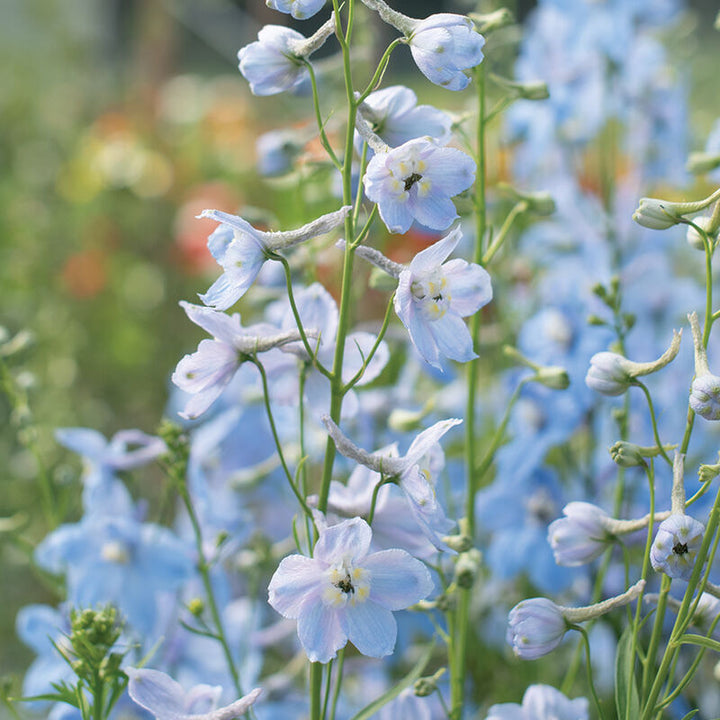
[
  {"x": 627, "y": 700},
  {"x": 705, "y": 642},
  {"x": 692, "y": 713},
  {"x": 369, "y": 710}
]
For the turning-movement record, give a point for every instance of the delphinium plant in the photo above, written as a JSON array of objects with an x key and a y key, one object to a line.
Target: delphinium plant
[{"x": 334, "y": 471}]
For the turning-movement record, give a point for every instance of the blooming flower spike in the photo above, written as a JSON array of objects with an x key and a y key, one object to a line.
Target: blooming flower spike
[
  {"x": 165, "y": 698},
  {"x": 346, "y": 593}
]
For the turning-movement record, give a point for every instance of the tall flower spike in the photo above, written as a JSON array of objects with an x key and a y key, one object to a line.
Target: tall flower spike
[
  {"x": 240, "y": 249},
  {"x": 274, "y": 62},
  {"x": 443, "y": 45},
  {"x": 705, "y": 388},
  {"x": 612, "y": 374},
  {"x": 678, "y": 539}
]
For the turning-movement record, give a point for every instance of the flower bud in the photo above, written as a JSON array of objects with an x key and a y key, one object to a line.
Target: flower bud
[
  {"x": 467, "y": 567},
  {"x": 580, "y": 536},
  {"x": 554, "y": 377},
  {"x": 702, "y": 162},
  {"x": 612, "y": 374},
  {"x": 626, "y": 454},
  {"x": 705, "y": 397},
  {"x": 541, "y": 202},
  {"x": 693, "y": 237},
  {"x": 535, "y": 628},
  {"x": 485, "y": 23},
  {"x": 658, "y": 214}
]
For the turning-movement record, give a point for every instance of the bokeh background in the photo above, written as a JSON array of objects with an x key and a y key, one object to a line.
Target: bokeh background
[{"x": 121, "y": 120}]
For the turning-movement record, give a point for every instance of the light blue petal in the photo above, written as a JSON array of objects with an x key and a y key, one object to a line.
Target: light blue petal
[
  {"x": 469, "y": 285},
  {"x": 296, "y": 578},
  {"x": 453, "y": 338},
  {"x": 397, "y": 580},
  {"x": 350, "y": 538},
  {"x": 436, "y": 209},
  {"x": 319, "y": 631},
  {"x": 155, "y": 691},
  {"x": 371, "y": 628},
  {"x": 221, "y": 326},
  {"x": 451, "y": 171},
  {"x": 84, "y": 441},
  {"x": 395, "y": 214},
  {"x": 432, "y": 257}
]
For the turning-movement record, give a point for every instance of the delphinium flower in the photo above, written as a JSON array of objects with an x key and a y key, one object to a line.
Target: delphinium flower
[
  {"x": 205, "y": 373},
  {"x": 443, "y": 45},
  {"x": 541, "y": 702},
  {"x": 415, "y": 181},
  {"x": 433, "y": 296},
  {"x": 395, "y": 116},
  {"x": 679, "y": 537},
  {"x": 274, "y": 62},
  {"x": 164, "y": 698},
  {"x": 127, "y": 449},
  {"x": 580, "y": 536},
  {"x": 537, "y": 626},
  {"x": 240, "y": 249},
  {"x": 413, "y": 477},
  {"x": 116, "y": 558},
  {"x": 299, "y": 9},
  {"x": 346, "y": 593}
]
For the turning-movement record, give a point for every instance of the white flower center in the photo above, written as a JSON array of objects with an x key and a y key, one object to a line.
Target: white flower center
[
  {"x": 346, "y": 584},
  {"x": 115, "y": 552},
  {"x": 407, "y": 171},
  {"x": 432, "y": 294}
]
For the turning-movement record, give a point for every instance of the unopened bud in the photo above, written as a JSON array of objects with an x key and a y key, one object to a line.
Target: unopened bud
[
  {"x": 467, "y": 568},
  {"x": 702, "y": 162},
  {"x": 409, "y": 420},
  {"x": 426, "y": 686},
  {"x": 596, "y": 320},
  {"x": 658, "y": 214},
  {"x": 626, "y": 454},
  {"x": 485, "y": 23},
  {"x": 541, "y": 202},
  {"x": 196, "y": 607},
  {"x": 705, "y": 388},
  {"x": 707, "y": 473},
  {"x": 458, "y": 543},
  {"x": 553, "y": 377}
]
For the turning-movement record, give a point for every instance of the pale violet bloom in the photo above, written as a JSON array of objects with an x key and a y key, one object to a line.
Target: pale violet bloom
[
  {"x": 415, "y": 181},
  {"x": 240, "y": 249},
  {"x": 443, "y": 46},
  {"x": 676, "y": 546},
  {"x": 165, "y": 698},
  {"x": 347, "y": 593},
  {"x": 205, "y": 373},
  {"x": 433, "y": 296},
  {"x": 541, "y": 702},
  {"x": 395, "y": 116},
  {"x": 274, "y": 62},
  {"x": 299, "y": 9},
  {"x": 415, "y": 471}
]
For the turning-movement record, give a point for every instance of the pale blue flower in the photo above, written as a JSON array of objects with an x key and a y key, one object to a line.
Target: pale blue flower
[
  {"x": 541, "y": 702},
  {"x": 345, "y": 593},
  {"x": 299, "y": 9},
  {"x": 396, "y": 117},
  {"x": 240, "y": 249},
  {"x": 117, "y": 559},
  {"x": 580, "y": 536},
  {"x": 166, "y": 700},
  {"x": 443, "y": 46},
  {"x": 676, "y": 544},
  {"x": 433, "y": 296},
  {"x": 274, "y": 62},
  {"x": 416, "y": 181},
  {"x": 127, "y": 449},
  {"x": 416, "y": 472},
  {"x": 205, "y": 373}
]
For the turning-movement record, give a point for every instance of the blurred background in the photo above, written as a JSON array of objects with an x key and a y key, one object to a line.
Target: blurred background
[{"x": 121, "y": 120}]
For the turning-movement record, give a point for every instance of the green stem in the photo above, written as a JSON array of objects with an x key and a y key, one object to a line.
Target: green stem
[
  {"x": 276, "y": 438},
  {"x": 499, "y": 239},
  {"x": 588, "y": 667},
  {"x": 380, "y": 71},
  {"x": 653, "y": 420},
  {"x": 328, "y": 683},
  {"x": 318, "y": 116},
  {"x": 338, "y": 682}
]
